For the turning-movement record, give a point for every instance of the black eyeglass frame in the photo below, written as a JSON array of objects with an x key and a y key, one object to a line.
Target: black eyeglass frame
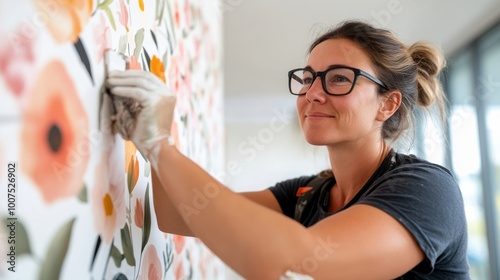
[{"x": 322, "y": 74}]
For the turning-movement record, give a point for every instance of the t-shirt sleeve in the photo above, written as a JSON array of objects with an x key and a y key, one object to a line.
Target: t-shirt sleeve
[
  {"x": 286, "y": 193},
  {"x": 427, "y": 201}
]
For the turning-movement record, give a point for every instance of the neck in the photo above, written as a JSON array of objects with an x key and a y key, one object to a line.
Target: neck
[{"x": 353, "y": 164}]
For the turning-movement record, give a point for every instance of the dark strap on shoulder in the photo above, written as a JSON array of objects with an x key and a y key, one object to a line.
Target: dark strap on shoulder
[{"x": 305, "y": 202}]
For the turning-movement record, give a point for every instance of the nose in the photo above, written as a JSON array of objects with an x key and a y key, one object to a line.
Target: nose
[{"x": 316, "y": 93}]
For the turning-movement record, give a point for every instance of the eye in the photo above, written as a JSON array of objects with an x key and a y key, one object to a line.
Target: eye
[
  {"x": 335, "y": 79},
  {"x": 307, "y": 80}
]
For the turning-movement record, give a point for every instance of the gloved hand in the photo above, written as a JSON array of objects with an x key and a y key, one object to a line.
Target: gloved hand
[{"x": 150, "y": 107}]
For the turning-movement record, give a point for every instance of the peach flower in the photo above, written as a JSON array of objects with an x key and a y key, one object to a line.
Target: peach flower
[
  {"x": 65, "y": 19},
  {"x": 134, "y": 64},
  {"x": 138, "y": 214},
  {"x": 108, "y": 195},
  {"x": 151, "y": 268},
  {"x": 54, "y": 135}
]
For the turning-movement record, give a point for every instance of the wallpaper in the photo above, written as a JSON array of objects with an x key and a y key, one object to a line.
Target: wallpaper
[{"x": 75, "y": 198}]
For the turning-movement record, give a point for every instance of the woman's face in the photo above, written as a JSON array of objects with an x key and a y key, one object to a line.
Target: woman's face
[{"x": 334, "y": 120}]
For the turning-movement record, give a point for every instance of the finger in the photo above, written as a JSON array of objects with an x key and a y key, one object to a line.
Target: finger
[
  {"x": 135, "y": 75},
  {"x": 136, "y": 93}
]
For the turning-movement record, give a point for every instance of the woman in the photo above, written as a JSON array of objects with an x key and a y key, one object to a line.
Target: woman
[{"x": 376, "y": 214}]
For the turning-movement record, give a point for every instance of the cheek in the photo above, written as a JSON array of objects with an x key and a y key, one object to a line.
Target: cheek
[{"x": 300, "y": 104}]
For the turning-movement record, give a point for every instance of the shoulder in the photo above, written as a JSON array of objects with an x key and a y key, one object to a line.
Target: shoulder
[
  {"x": 426, "y": 199},
  {"x": 409, "y": 170},
  {"x": 417, "y": 181}
]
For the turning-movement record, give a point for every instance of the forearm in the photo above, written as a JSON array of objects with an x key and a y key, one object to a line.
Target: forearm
[
  {"x": 238, "y": 230},
  {"x": 167, "y": 215}
]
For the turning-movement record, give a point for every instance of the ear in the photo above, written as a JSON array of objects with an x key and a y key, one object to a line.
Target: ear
[{"x": 390, "y": 103}]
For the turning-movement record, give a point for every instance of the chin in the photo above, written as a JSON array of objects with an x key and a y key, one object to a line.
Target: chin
[{"x": 316, "y": 141}]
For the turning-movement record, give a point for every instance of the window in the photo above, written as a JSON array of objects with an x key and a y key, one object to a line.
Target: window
[{"x": 466, "y": 159}]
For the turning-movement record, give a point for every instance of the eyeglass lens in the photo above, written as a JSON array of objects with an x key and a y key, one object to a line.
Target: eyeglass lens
[{"x": 335, "y": 81}]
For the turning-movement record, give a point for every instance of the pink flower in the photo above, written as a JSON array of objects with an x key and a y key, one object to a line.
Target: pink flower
[
  {"x": 138, "y": 214},
  {"x": 179, "y": 77},
  {"x": 179, "y": 242},
  {"x": 16, "y": 61},
  {"x": 151, "y": 268},
  {"x": 102, "y": 37},
  {"x": 123, "y": 15},
  {"x": 187, "y": 13},
  {"x": 108, "y": 194}
]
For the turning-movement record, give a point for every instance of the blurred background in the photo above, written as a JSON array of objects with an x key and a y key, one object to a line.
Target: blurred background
[{"x": 264, "y": 144}]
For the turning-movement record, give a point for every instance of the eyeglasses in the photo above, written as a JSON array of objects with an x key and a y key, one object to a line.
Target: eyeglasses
[{"x": 336, "y": 80}]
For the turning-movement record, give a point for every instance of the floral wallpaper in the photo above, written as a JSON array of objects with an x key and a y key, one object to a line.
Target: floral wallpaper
[{"x": 79, "y": 197}]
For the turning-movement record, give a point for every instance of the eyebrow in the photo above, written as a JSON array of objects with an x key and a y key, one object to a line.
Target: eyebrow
[{"x": 329, "y": 66}]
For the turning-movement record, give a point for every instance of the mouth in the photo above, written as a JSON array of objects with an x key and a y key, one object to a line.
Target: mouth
[{"x": 316, "y": 115}]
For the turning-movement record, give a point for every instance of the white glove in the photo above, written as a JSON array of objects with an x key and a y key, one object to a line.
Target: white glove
[{"x": 144, "y": 109}]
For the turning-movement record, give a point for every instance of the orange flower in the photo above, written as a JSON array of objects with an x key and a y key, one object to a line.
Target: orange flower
[
  {"x": 157, "y": 68},
  {"x": 131, "y": 164},
  {"x": 108, "y": 194},
  {"x": 65, "y": 19},
  {"x": 141, "y": 5},
  {"x": 54, "y": 135},
  {"x": 138, "y": 214},
  {"x": 130, "y": 151},
  {"x": 151, "y": 266}
]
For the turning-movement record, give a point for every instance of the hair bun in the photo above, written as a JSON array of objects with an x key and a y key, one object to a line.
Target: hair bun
[{"x": 429, "y": 61}]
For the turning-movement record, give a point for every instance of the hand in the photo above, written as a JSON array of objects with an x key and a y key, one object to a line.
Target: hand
[{"x": 144, "y": 108}]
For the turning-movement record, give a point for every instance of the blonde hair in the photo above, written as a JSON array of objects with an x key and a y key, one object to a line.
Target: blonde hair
[{"x": 412, "y": 70}]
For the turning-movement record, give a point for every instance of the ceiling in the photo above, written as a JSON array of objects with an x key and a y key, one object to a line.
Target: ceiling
[{"x": 264, "y": 39}]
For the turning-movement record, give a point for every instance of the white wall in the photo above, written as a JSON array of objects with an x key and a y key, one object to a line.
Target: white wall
[{"x": 263, "y": 151}]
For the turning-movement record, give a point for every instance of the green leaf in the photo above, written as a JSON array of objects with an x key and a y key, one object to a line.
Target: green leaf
[
  {"x": 148, "y": 59},
  {"x": 128, "y": 249},
  {"x": 139, "y": 40},
  {"x": 171, "y": 18},
  {"x": 110, "y": 16},
  {"x": 82, "y": 195},
  {"x": 147, "y": 220},
  {"x": 21, "y": 236},
  {"x": 147, "y": 170},
  {"x": 22, "y": 239},
  {"x": 116, "y": 255},
  {"x": 120, "y": 276},
  {"x": 165, "y": 59},
  {"x": 168, "y": 258},
  {"x": 122, "y": 44},
  {"x": 145, "y": 66},
  {"x": 54, "y": 258}
]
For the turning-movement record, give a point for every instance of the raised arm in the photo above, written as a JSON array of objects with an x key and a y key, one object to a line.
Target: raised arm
[
  {"x": 361, "y": 242},
  {"x": 170, "y": 220}
]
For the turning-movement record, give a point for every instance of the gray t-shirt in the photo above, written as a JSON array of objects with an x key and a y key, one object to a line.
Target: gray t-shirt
[{"x": 422, "y": 196}]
